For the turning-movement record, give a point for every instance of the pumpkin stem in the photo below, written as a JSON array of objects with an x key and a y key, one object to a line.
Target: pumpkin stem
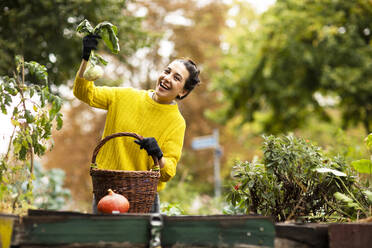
[{"x": 110, "y": 192}]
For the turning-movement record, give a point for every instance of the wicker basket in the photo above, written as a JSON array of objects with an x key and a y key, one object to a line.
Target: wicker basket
[{"x": 139, "y": 187}]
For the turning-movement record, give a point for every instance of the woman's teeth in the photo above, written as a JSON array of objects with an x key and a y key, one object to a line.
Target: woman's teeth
[{"x": 164, "y": 86}]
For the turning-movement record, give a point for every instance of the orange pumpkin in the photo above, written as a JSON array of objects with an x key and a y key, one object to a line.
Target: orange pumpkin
[{"x": 112, "y": 203}]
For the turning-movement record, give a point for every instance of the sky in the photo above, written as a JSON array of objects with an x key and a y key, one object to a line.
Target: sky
[{"x": 6, "y": 127}]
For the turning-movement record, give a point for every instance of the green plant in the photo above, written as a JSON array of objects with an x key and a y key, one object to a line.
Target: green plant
[
  {"x": 183, "y": 196},
  {"x": 48, "y": 190},
  {"x": 293, "y": 180},
  {"x": 33, "y": 110},
  {"x": 171, "y": 209},
  {"x": 354, "y": 206},
  {"x": 365, "y": 165}
]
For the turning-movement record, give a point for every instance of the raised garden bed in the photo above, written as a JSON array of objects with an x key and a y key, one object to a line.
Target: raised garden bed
[{"x": 73, "y": 229}]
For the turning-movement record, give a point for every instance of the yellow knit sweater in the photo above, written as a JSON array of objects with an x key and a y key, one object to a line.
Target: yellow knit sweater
[{"x": 131, "y": 110}]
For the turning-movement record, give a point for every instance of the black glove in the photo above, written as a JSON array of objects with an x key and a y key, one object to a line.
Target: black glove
[
  {"x": 151, "y": 146},
  {"x": 90, "y": 43}
]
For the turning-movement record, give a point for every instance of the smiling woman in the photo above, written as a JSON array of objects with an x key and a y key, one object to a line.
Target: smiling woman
[{"x": 153, "y": 114}]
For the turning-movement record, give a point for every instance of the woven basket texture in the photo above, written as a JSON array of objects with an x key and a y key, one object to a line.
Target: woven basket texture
[{"x": 139, "y": 187}]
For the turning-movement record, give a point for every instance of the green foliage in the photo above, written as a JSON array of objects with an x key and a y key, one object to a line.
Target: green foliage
[
  {"x": 183, "y": 196},
  {"x": 352, "y": 205},
  {"x": 281, "y": 63},
  {"x": 368, "y": 141},
  {"x": 179, "y": 191},
  {"x": 294, "y": 180},
  {"x": 33, "y": 110},
  {"x": 365, "y": 165},
  {"x": 348, "y": 199},
  {"x": 48, "y": 188},
  {"x": 171, "y": 209},
  {"x": 44, "y": 31}
]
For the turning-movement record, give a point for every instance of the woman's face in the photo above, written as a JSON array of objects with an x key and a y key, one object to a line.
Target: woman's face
[{"x": 171, "y": 82}]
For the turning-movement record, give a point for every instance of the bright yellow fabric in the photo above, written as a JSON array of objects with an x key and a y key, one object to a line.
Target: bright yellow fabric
[
  {"x": 6, "y": 228},
  {"x": 132, "y": 110}
]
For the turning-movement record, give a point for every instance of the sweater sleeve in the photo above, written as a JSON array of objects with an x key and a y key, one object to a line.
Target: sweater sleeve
[
  {"x": 172, "y": 149},
  {"x": 98, "y": 97}
]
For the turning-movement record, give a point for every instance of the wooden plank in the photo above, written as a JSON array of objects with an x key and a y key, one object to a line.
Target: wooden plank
[
  {"x": 6, "y": 229},
  {"x": 64, "y": 229},
  {"x": 40, "y": 212},
  {"x": 87, "y": 245},
  {"x": 217, "y": 231},
  {"x": 312, "y": 235},
  {"x": 354, "y": 235}
]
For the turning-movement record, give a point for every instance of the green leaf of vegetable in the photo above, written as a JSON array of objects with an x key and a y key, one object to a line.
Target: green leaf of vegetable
[
  {"x": 96, "y": 59},
  {"x": 101, "y": 60},
  {"x": 85, "y": 27},
  {"x": 108, "y": 32}
]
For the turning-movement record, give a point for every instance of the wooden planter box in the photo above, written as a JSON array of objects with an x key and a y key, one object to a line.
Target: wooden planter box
[{"x": 72, "y": 229}]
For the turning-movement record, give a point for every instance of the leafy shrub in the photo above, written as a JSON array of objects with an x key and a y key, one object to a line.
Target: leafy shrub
[
  {"x": 293, "y": 180},
  {"x": 33, "y": 109}
]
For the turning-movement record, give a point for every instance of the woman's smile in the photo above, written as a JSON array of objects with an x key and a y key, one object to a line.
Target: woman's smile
[{"x": 164, "y": 85}]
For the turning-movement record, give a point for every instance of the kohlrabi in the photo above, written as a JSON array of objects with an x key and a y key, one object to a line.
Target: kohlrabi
[
  {"x": 93, "y": 72},
  {"x": 108, "y": 32}
]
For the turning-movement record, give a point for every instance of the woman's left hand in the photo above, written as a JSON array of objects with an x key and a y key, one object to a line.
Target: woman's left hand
[{"x": 151, "y": 146}]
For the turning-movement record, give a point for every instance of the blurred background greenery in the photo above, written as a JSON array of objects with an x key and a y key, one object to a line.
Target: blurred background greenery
[{"x": 303, "y": 67}]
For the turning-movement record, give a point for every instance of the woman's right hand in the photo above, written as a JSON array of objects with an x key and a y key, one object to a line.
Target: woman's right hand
[{"x": 90, "y": 43}]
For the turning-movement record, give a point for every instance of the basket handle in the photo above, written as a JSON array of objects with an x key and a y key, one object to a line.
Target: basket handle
[{"x": 107, "y": 138}]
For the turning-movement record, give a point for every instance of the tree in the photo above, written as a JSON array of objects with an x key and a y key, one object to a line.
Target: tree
[
  {"x": 277, "y": 67},
  {"x": 45, "y": 31}
]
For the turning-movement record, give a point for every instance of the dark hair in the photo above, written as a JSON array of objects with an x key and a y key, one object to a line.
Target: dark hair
[{"x": 193, "y": 78}]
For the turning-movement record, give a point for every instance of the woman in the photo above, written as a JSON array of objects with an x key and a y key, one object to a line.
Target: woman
[{"x": 153, "y": 114}]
